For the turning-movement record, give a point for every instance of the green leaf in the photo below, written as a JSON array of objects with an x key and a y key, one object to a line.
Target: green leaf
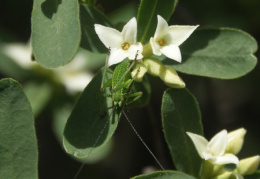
[
  {"x": 61, "y": 114},
  {"x": 219, "y": 53},
  {"x": 88, "y": 17},
  {"x": 147, "y": 16},
  {"x": 9, "y": 68},
  {"x": 164, "y": 175},
  {"x": 39, "y": 94},
  {"x": 92, "y": 121},
  {"x": 180, "y": 113},
  {"x": 18, "y": 146},
  {"x": 55, "y": 31},
  {"x": 256, "y": 175}
]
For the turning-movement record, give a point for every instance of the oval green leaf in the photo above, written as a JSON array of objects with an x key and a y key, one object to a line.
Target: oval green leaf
[
  {"x": 18, "y": 146},
  {"x": 55, "y": 31},
  {"x": 219, "y": 53},
  {"x": 88, "y": 17},
  {"x": 147, "y": 17},
  {"x": 92, "y": 121},
  {"x": 180, "y": 113},
  {"x": 164, "y": 175}
]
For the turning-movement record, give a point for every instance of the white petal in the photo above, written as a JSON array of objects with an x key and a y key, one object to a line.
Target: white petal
[
  {"x": 178, "y": 34},
  {"x": 208, "y": 156},
  {"x": 200, "y": 143},
  {"x": 155, "y": 47},
  {"x": 226, "y": 159},
  {"x": 116, "y": 56},
  {"x": 129, "y": 31},
  {"x": 162, "y": 27},
  {"x": 109, "y": 37},
  {"x": 135, "y": 49},
  {"x": 217, "y": 144},
  {"x": 75, "y": 82},
  {"x": 172, "y": 52}
]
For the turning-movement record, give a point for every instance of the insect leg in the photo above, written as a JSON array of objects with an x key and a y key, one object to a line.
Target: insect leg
[
  {"x": 126, "y": 72},
  {"x": 136, "y": 95}
]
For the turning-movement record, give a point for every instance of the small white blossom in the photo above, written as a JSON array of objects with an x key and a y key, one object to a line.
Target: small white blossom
[
  {"x": 123, "y": 44},
  {"x": 73, "y": 75},
  {"x": 213, "y": 150},
  {"x": 167, "y": 39}
]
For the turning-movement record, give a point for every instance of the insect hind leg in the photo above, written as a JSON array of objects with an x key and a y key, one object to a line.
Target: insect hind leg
[{"x": 135, "y": 96}]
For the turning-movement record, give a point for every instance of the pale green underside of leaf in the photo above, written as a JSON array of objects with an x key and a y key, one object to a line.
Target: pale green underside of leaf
[
  {"x": 18, "y": 146},
  {"x": 164, "y": 175},
  {"x": 180, "y": 113},
  {"x": 147, "y": 17},
  {"x": 55, "y": 31},
  {"x": 91, "y": 123},
  {"x": 219, "y": 53}
]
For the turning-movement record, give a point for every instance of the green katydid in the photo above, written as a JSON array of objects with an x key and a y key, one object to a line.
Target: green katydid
[
  {"x": 121, "y": 83},
  {"x": 120, "y": 87}
]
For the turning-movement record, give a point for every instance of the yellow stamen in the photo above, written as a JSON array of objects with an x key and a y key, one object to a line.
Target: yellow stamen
[
  {"x": 125, "y": 46},
  {"x": 161, "y": 42}
]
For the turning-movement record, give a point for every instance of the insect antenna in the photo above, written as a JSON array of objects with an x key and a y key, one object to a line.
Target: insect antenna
[
  {"x": 101, "y": 132},
  {"x": 140, "y": 138}
]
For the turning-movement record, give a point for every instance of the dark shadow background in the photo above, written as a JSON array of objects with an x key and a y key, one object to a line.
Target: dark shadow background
[{"x": 228, "y": 104}]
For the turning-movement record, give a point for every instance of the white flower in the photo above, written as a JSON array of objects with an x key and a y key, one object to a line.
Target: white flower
[
  {"x": 20, "y": 53},
  {"x": 123, "y": 44},
  {"x": 73, "y": 75},
  {"x": 167, "y": 39},
  {"x": 214, "y": 150}
]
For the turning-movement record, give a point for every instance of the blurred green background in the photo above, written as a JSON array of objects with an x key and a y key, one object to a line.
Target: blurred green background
[{"x": 228, "y": 104}]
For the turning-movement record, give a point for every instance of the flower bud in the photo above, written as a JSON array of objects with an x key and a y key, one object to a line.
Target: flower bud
[
  {"x": 138, "y": 72},
  {"x": 154, "y": 66},
  {"x": 167, "y": 74},
  {"x": 171, "y": 78},
  {"x": 223, "y": 175},
  {"x": 147, "y": 50},
  {"x": 248, "y": 165},
  {"x": 235, "y": 141}
]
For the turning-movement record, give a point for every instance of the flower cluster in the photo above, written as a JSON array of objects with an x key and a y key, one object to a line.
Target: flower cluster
[
  {"x": 123, "y": 44},
  {"x": 73, "y": 76},
  {"x": 221, "y": 150},
  {"x": 166, "y": 41}
]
